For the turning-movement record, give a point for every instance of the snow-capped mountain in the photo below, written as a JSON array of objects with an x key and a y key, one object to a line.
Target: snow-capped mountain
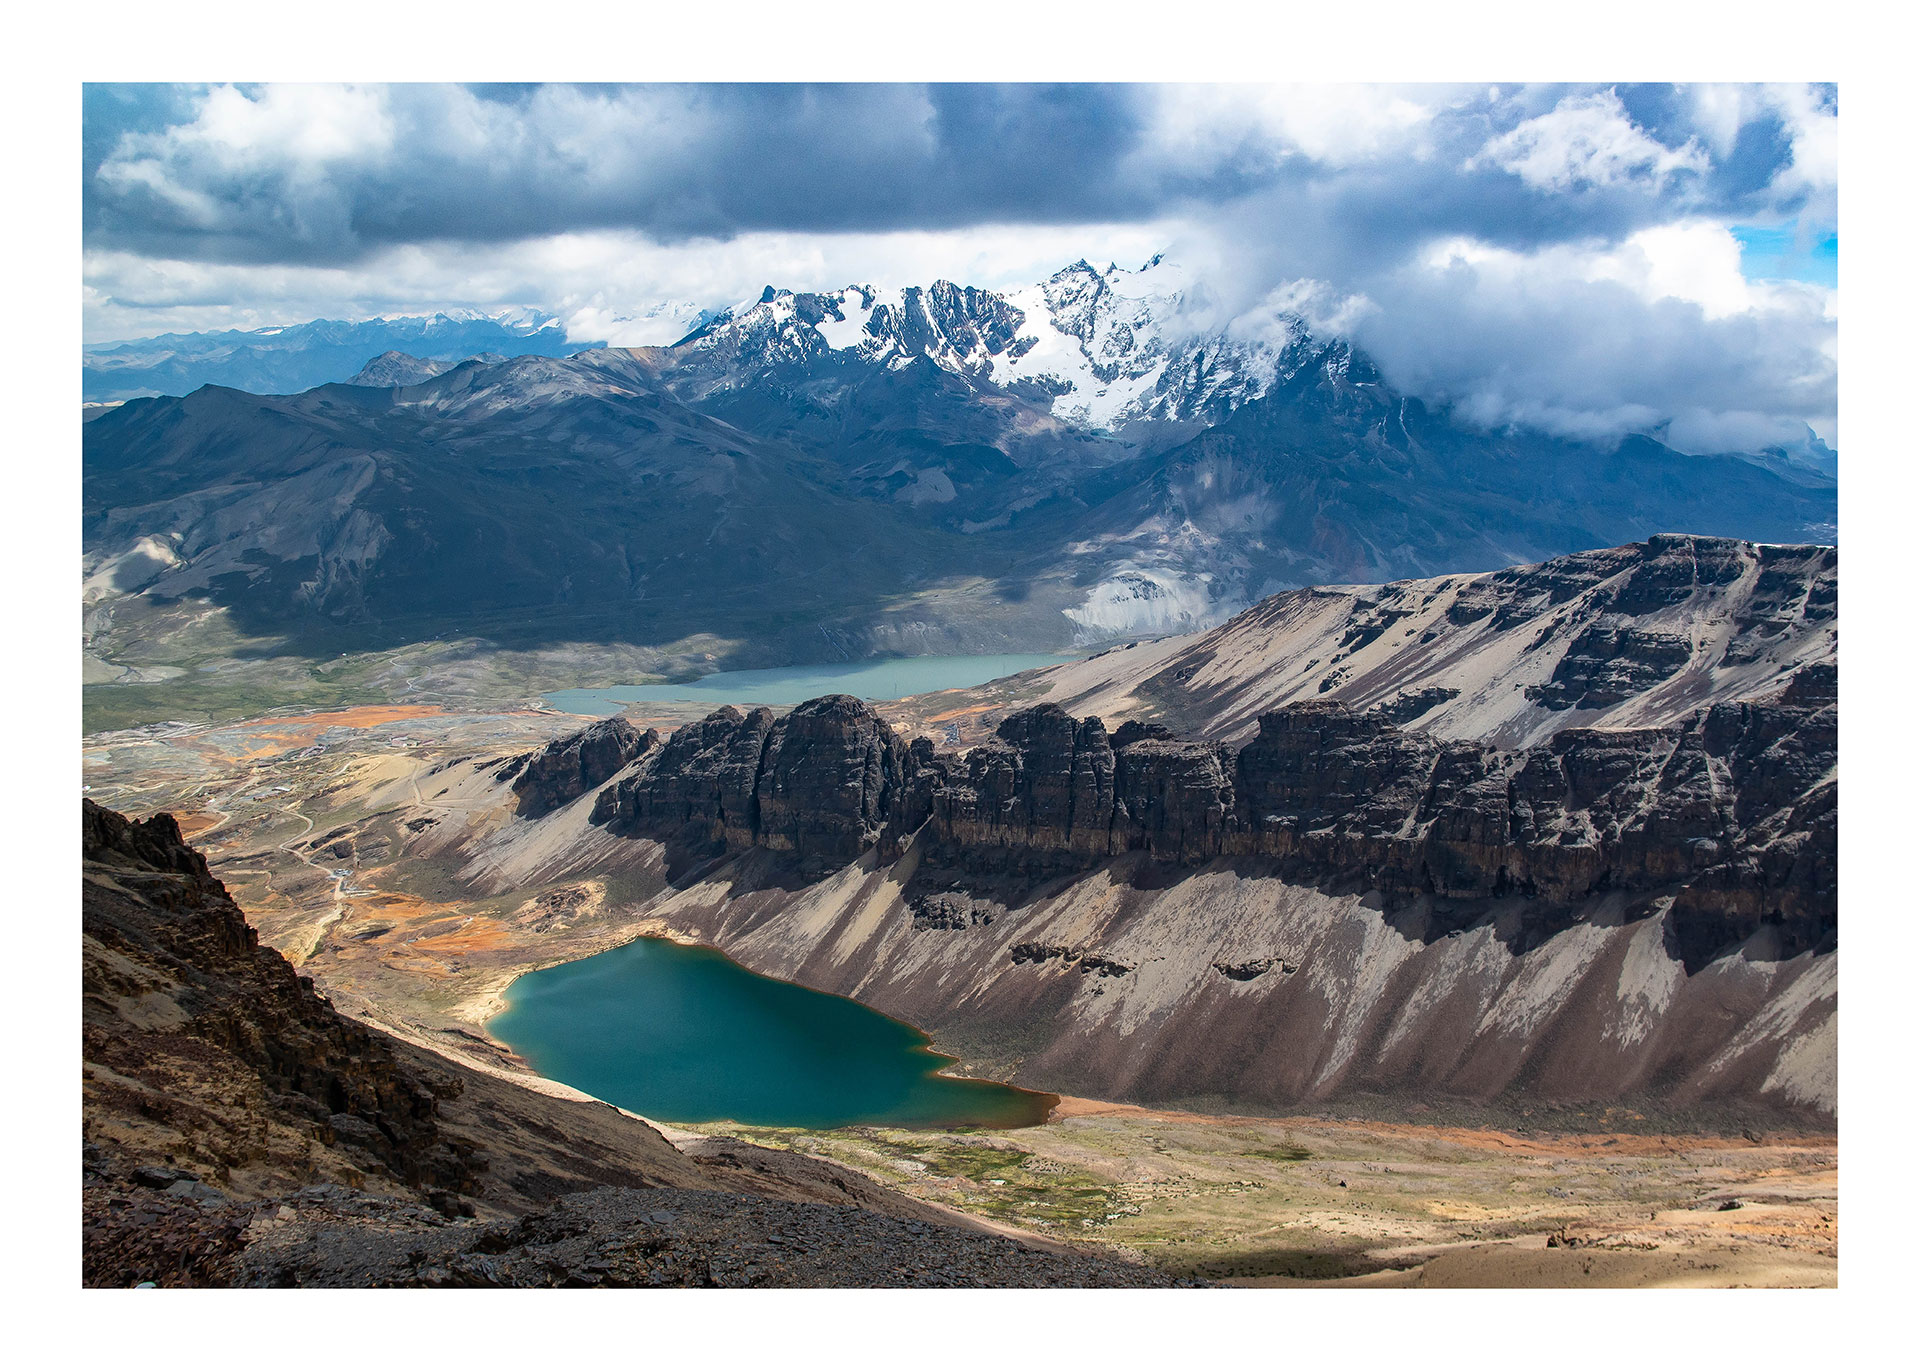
[
  {"x": 929, "y": 470},
  {"x": 960, "y": 328},
  {"x": 1103, "y": 455},
  {"x": 1099, "y": 349},
  {"x": 1121, "y": 345}
]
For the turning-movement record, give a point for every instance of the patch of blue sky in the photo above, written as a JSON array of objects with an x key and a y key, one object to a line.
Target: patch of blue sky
[{"x": 1783, "y": 252}]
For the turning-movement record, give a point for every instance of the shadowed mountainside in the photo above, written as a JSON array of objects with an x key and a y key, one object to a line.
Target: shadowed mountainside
[{"x": 815, "y": 501}]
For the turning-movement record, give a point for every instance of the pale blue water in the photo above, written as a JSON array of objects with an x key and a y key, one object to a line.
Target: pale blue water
[{"x": 889, "y": 678}]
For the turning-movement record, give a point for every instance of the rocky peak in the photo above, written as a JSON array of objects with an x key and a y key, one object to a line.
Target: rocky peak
[
  {"x": 1073, "y": 295},
  {"x": 823, "y": 779},
  {"x": 393, "y": 368},
  {"x": 817, "y": 781},
  {"x": 1107, "y": 346},
  {"x": 111, "y": 839},
  {"x": 569, "y": 767},
  {"x": 959, "y": 328}
]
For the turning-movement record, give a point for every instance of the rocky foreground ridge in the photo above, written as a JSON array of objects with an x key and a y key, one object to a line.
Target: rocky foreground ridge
[{"x": 237, "y": 1130}]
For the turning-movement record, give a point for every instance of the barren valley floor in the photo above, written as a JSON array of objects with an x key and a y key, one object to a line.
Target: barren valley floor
[{"x": 1602, "y": 1197}]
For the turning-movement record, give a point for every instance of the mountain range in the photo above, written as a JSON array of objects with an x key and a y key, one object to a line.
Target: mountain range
[
  {"x": 824, "y": 475},
  {"x": 286, "y": 360}
]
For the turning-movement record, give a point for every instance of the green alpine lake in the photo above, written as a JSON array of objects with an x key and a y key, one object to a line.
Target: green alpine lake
[{"x": 682, "y": 1034}]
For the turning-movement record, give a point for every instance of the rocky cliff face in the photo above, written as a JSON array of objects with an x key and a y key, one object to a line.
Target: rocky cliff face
[
  {"x": 1733, "y": 809},
  {"x": 159, "y": 927},
  {"x": 1347, "y": 901},
  {"x": 818, "y": 782},
  {"x": 569, "y": 767}
]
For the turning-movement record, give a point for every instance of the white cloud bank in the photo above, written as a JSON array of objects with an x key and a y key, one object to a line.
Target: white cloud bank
[
  {"x": 1585, "y": 142},
  {"x": 1553, "y": 256}
]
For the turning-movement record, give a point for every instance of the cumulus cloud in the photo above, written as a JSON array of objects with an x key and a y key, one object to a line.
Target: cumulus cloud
[
  {"x": 1542, "y": 254},
  {"x": 1593, "y": 344},
  {"x": 336, "y": 174},
  {"x": 238, "y": 182},
  {"x": 1184, "y": 126},
  {"x": 1585, "y": 142},
  {"x": 603, "y": 284}
]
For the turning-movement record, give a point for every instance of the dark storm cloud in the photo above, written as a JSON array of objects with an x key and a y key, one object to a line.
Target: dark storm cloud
[
  {"x": 435, "y": 163},
  {"x": 290, "y": 175},
  {"x": 1600, "y": 290}
]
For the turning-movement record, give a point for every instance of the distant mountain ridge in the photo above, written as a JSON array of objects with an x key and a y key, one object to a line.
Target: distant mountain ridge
[
  {"x": 396, "y": 368},
  {"x": 938, "y": 469},
  {"x": 1149, "y": 354},
  {"x": 1098, "y": 349},
  {"x": 1617, "y": 638},
  {"x": 288, "y": 360}
]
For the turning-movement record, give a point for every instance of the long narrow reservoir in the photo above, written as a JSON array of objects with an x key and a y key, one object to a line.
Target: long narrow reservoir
[{"x": 682, "y": 1034}]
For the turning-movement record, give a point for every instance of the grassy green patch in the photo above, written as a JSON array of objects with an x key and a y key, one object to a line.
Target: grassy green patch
[
  {"x": 1285, "y": 1262},
  {"x": 105, "y": 707},
  {"x": 1283, "y": 1153},
  {"x": 980, "y": 1178}
]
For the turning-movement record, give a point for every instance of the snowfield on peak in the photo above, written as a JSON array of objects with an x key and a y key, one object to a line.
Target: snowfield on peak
[{"x": 1102, "y": 348}]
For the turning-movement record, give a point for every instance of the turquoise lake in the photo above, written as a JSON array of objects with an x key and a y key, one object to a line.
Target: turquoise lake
[
  {"x": 684, "y": 1035},
  {"x": 888, "y": 678}
]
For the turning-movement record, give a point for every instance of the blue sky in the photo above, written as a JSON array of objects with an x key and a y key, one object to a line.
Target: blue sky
[{"x": 1789, "y": 252}]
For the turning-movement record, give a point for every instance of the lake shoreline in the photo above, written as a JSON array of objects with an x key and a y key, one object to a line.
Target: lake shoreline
[{"x": 535, "y": 1042}]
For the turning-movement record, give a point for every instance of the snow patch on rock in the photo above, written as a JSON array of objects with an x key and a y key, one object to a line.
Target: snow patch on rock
[{"x": 1148, "y": 603}]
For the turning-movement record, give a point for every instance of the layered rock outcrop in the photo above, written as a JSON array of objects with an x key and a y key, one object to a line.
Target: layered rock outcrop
[
  {"x": 821, "y": 781},
  {"x": 1735, "y": 807},
  {"x": 1627, "y": 637},
  {"x": 1563, "y": 832},
  {"x": 569, "y": 767}
]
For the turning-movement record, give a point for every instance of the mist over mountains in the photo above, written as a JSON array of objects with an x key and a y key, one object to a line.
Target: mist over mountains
[{"x": 925, "y": 469}]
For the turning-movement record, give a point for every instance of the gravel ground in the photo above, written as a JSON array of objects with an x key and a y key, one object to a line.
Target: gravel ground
[{"x": 326, "y": 1236}]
